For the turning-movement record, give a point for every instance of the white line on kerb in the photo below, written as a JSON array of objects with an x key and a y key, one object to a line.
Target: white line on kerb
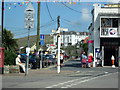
[{"x": 76, "y": 83}]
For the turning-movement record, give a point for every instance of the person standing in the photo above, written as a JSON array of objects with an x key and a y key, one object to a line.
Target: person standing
[
  {"x": 18, "y": 62},
  {"x": 90, "y": 59},
  {"x": 61, "y": 59},
  {"x": 84, "y": 60}
]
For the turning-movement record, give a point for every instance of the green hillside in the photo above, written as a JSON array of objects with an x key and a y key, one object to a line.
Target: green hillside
[{"x": 22, "y": 42}]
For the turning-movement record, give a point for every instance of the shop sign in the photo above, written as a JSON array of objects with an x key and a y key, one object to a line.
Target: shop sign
[
  {"x": 112, "y": 31},
  {"x": 111, "y": 5}
]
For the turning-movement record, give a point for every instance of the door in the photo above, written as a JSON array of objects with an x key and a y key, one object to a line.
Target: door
[{"x": 108, "y": 52}]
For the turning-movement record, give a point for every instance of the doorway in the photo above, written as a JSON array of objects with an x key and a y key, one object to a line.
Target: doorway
[{"x": 108, "y": 52}]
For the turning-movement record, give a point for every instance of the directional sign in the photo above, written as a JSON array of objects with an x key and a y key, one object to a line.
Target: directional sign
[
  {"x": 61, "y": 29},
  {"x": 64, "y": 29},
  {"x": 29, "y": 16}
]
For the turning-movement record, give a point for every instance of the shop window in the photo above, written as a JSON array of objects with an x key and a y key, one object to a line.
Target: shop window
[
  {"x": 115, "y": 22},
  {"x": 106, "y": 22}
]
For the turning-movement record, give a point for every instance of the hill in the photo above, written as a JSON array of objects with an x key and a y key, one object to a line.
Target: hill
[{"x": 22, "y": 42}]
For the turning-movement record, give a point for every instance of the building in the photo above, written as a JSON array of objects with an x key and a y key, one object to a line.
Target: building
[
  {"x": 105, "y": 33},
  {"x": 70, "y": 38}
]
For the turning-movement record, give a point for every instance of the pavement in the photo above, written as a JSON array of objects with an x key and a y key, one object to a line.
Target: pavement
[
  {"x": 50, "y": 71},
  {"x": 43, "y": 71}
]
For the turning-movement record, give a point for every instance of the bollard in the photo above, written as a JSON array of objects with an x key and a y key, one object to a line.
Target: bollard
[{"x": 113, "y": 59}]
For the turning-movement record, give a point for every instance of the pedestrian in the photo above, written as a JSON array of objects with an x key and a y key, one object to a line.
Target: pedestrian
[
  {"x": 84, "y": 60},
  {"x": 90, "y": 59},
  {"x": 18, "y": 62},
  {"x": 36, "y": 53},
  {"x": 61, "y": 59}
]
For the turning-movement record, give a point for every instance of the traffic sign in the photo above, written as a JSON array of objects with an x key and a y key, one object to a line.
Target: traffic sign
[
  {"x": 41, "y": 36},
  {"x": 29, "y": 16},
  {"x": 41, "y": 42}
]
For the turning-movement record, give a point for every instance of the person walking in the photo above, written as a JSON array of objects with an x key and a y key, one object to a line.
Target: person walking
[
  {"x": 18, "y": 62},
  {"x": 84, "y": 60}
]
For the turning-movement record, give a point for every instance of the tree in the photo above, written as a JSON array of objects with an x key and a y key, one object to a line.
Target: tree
[
  {"x": 10, "y": 45},
  {"x": 10, "y": 57},
  {"x": 85, "y": 47},
  {"x": 8, "y": 42}
]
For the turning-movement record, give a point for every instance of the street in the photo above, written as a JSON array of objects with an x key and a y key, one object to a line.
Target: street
[{"x": 71, "y": 76}]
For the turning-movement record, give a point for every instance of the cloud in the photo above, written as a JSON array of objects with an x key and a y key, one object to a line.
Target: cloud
[
  {"x": 85, "y": 14},
  {"x": 113, "y": 1}
]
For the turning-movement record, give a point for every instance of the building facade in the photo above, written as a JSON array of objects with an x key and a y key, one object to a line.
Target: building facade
[
  {"x": 70, "y": 38},
  {"x": 105, "y": 33}
]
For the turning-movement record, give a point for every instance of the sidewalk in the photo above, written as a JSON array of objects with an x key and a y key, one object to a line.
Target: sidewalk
[{"x": 38, "y": 72}]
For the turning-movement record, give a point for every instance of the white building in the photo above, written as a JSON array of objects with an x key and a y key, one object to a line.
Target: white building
[
  {"x": 70, "y": 38},
  {"x": 105, "y": 32}
]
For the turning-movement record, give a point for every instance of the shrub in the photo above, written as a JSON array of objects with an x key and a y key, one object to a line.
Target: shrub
[{"x": 9, "y": 57}]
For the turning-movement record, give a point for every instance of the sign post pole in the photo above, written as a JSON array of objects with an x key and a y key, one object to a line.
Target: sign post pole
[{"x": 29, "y": 23}]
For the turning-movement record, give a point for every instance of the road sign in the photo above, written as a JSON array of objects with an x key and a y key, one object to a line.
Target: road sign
[
  {"x": 64, "y": 29},
  {"x": 41, "y": 42},
  {"x": 29, "y": 16},
  {"x": 41, "y": 36}
]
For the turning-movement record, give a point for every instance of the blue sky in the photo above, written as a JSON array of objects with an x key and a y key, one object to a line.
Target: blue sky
[{"x": 78, "y": 19}]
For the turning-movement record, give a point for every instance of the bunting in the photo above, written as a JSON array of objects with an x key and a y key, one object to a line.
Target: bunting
[{"x": 12, "y": 5}]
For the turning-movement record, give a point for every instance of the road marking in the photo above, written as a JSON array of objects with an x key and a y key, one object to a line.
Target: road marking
[
  {"x": 68, "y": 83},
  {"x": 68, "y": 86}
]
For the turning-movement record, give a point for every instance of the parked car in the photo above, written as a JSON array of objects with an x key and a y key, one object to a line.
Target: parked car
[
  {"x": 49, "y": 59},
  {"x": 32, "y": 60},
  {"x": 66, "y": 56}
]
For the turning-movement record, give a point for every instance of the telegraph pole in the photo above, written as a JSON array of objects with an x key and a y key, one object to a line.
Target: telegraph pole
[
  {"x": 38, "y": 26},
  {"x": 38, "y": 33}
]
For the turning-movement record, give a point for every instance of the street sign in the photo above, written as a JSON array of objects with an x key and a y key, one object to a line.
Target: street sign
[
  {"x": 29, "y": 16},
  {"x": 41, "y": 36},
  {"x": 64, "y": 29},
  {"x": 41, "y": 42}
]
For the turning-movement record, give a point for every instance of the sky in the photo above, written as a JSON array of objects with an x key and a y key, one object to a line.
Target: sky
[{"x": 74, "y": 16}]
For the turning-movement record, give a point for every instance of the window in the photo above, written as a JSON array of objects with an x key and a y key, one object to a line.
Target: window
[
  {"x": 115, "y": 22},
  {"x": 105, "y": 22}
]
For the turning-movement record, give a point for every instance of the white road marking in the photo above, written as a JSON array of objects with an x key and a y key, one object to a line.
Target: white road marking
[{"x": 67, "y": 84}]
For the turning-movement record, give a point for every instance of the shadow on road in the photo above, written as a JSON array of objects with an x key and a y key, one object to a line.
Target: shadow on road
[{"x": 73, "y": 63}]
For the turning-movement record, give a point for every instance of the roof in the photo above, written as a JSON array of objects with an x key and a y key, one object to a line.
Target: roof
[{"x": 74, "y": 33}]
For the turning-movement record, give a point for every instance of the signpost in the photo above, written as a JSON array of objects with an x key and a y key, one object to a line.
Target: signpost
[
  {"x": 29, "y": 24},
  {"x": 59, "y": 42},
  {"x": 41, "y": 43}
]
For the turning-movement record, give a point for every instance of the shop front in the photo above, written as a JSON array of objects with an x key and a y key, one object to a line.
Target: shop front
[{"x": 110, "y": 46}]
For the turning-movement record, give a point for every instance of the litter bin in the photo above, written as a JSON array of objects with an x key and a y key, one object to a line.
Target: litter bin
[{"x": 1, "y": 60}]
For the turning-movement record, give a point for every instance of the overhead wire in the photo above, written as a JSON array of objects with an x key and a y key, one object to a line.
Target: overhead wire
[
  {"x": 49, "y": 12},
  {"x": 70, "y": 22},
  {"x": 43, "y": 26},
  {"x": 72, "y": 8}
]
